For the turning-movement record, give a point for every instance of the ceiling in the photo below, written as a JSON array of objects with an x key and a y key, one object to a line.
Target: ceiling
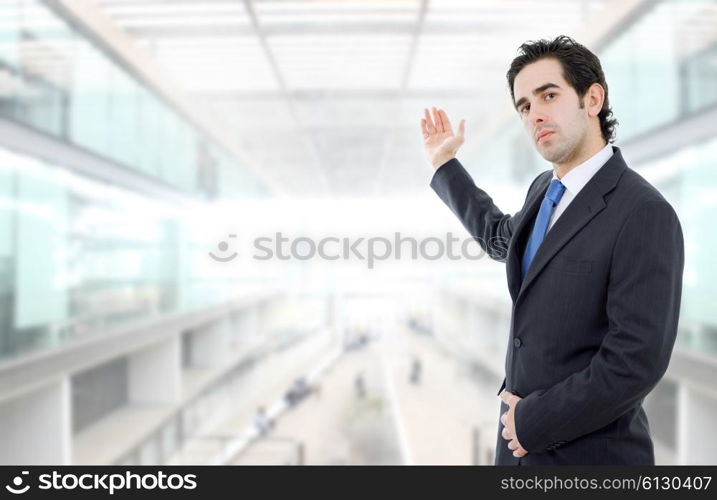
[{"x": 326, "y": 95}]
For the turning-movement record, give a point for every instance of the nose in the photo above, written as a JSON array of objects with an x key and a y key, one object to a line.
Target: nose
[{"x": 536, "y": 115}]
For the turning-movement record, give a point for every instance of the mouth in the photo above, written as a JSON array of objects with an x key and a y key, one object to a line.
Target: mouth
[{"x": 544, "y": 135}]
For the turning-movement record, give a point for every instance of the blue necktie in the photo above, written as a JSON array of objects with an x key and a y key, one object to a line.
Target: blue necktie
[{"x": 552, "y": 197}]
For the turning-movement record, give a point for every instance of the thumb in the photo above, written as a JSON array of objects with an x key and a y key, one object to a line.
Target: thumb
[{"x": 462, "y": 129}]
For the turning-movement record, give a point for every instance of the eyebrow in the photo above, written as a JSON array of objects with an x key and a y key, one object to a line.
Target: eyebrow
[{"x": 537, "y": 91}]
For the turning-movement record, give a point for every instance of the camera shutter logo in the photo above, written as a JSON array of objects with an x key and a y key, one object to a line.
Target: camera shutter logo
[{"x": 16, "y": 488}]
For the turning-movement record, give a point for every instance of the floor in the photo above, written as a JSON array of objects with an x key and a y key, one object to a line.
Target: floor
[{"x": 434, "y": 421}]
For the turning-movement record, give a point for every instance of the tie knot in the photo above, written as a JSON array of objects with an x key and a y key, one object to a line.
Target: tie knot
[{"x": 555, "y": 191}]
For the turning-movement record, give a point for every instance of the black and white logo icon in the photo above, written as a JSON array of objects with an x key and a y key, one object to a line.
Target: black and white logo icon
[
  {"x": 223, "y": 246},
  {"x": 17, "y": 488}
]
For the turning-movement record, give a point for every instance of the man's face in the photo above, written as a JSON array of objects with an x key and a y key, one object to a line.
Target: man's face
[{"x": 550, "y": 110}]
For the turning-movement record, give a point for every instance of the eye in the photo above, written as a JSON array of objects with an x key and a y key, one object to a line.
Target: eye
[
  {"x": 524, "y": 109},
  {"x": 550, "y": 94}
]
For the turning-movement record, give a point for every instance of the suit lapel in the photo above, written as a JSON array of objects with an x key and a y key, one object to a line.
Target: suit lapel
[
  {"x": 515, "y": 253},
  {"x": 582, "y": 209},
  {"x": 587, "y": 204}
]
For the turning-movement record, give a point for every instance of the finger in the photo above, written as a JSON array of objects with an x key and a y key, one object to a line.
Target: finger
[
  {"x": 512, "y": 445},
  {"x": 440, "y": 114},
  {"x": 429, "y": 122},
  {"x": 519, "y": 453},
  {"x": 505, "y": 396},
  {"x": 446, "y": 122},
  {"x": 511, "y": 399},
  {"x": 423, "y": 127},
  {"x": 462, "y": 129},
  {"x": 506, "y": 434},
  {"x": 437, "y": 121}
]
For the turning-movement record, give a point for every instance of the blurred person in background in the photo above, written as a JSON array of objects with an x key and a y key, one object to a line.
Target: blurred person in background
[
  {"x": 415, "y": 374},
  {"x": 594, "y": 263},
  {"x": 262, "y": 421},
  {"x": 360, "y": 386}
]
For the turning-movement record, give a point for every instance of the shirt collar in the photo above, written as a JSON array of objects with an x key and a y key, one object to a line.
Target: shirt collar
[{"x": 576, "y": 179}]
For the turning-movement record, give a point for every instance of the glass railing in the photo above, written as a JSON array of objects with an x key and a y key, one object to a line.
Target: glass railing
[{"x": 79, "y": 257}]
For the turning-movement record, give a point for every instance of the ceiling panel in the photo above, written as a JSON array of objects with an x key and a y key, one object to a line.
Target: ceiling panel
[{"x": 326, "y": 94}]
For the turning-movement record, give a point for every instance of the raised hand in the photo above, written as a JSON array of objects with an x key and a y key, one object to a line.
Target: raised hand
[{"x": 440, "y": 142}]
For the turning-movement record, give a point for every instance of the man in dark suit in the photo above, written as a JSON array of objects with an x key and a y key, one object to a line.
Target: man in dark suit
[{"x": 594, "y": 261}]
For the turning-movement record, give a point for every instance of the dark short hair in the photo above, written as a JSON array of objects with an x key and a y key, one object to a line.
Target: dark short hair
[{"x": 581, "y": 68}]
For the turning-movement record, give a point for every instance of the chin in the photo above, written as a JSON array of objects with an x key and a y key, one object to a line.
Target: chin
[
  {"x": 549, "y": 154},
  {"x": 554, "y": 153}
]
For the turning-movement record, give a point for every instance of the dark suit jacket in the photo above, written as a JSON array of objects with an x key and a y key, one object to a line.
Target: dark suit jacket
[{"x": 593, "y": 323}]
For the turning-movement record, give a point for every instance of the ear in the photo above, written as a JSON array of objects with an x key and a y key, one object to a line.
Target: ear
[{"x": 594, "y": 98}]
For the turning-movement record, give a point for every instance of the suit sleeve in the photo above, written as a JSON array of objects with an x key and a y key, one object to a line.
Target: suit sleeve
[
  {"x": 643, "y": 305},
  {"x": 490, "y": 227}
]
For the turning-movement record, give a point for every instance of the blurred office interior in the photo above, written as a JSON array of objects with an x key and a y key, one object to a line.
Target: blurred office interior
[{"x": 146, "y": 146}]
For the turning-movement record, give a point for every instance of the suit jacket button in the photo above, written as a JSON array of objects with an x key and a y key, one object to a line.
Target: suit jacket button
[{"x": 517, "y": 342}]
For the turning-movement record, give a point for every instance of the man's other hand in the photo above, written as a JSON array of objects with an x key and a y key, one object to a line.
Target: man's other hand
[{"x": 508, "y": 421}]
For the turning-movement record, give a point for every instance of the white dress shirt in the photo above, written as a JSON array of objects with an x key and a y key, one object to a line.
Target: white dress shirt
[{"x": 576, "y": 179}]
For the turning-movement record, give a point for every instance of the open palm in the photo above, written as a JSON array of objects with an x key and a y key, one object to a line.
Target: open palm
[{"x": 439, "y": 141}]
